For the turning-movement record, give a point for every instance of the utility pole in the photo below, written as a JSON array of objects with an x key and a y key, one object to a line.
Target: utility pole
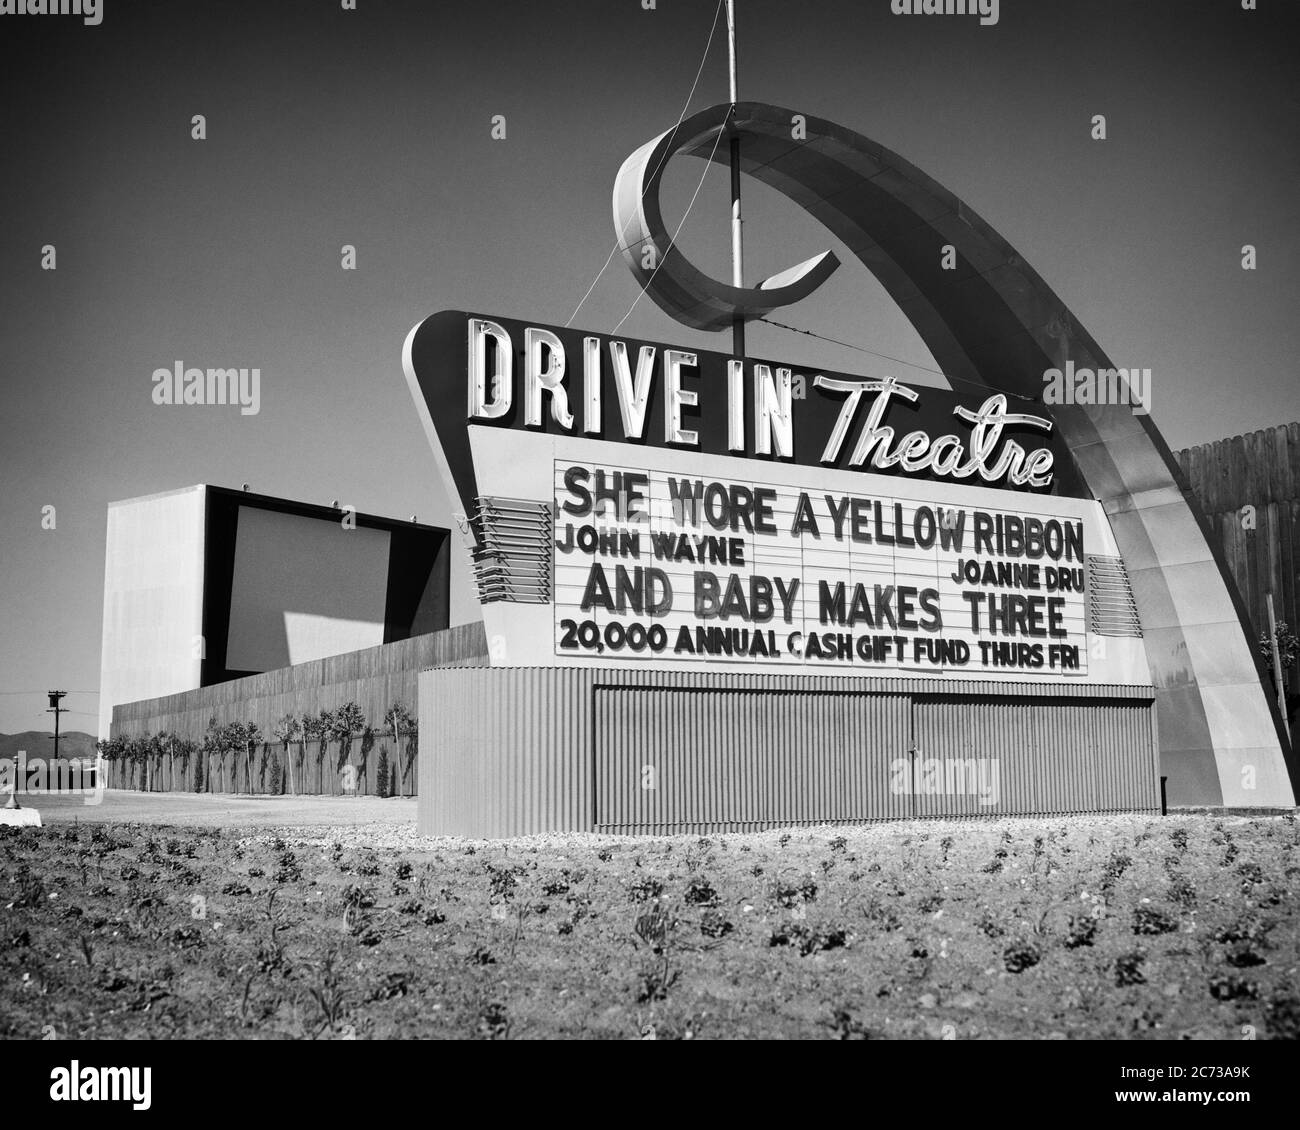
[
  {"x": 56, "y": 710},
  {"x": 737, "y": 257}
]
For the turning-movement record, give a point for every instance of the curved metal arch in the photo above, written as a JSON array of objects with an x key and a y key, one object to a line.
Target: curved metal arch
[
  {"x": 994, "y": 321},
  {"x": 676, "y": 284}
]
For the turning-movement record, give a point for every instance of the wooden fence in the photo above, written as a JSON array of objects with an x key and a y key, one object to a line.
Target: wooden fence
[
  {"x": 1259, "y": 470},
  {"x": 375, "y": 678}
]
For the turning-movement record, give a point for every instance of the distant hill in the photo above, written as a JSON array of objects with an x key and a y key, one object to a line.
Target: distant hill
[{"x": 73, "y": 743}]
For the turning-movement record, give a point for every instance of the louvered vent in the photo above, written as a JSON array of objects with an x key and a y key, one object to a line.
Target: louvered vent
[
  {"x": 512, "y": 558},
  {"x": 1112, "y": 611}
]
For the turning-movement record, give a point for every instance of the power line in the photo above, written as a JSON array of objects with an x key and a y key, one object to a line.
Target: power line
[
  {"x": 45, "y": 692},
  {"x": 680, "y": 118},
  {"x": 897, "y": 360}
]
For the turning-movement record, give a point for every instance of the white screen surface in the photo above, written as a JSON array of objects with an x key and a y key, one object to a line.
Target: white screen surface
[{"x": 303, "y": 588}]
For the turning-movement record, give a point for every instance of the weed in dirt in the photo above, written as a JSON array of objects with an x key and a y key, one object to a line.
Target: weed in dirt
[
  {"x": 1243, "y": 955},
  {"x": 989, "y": 926},
  {"x": 288, "y": 870},
  {"x": 390, "y": 987},
  {"x": 1082, "y": 931},
  {"x": 186, "y": 937},
  {"x": 29, "y": 890},
  {"x": 700, "y": 892},
  {"x": 652, "y": 927},
  {"x": 1231, "y": 987},
  {"x": 1114, "y": 869},
  {"x": 928, "y": 904},
  {"x": 845, "y": 1027},
  {"x": 493, "y": 1021},
  {"x": 1283, "y": 1016},
  {"x": 995, "y": 864},
  {"x": 556, "y": 885},
  {"x": 325, "y": 988},
  {"x": 1128, "y": 969},
  {"x": 1153, "y": 920},
  {"x": 786, "y": 895},
  {"x": 501, "y": 882},
  {"x": 1242, "y": 930},
  {"x": 714, "y": 925},
  {"x": 646, "y": 890},
  {"x": 1021, "y": 955},
  {"x": 1251, "y": 876},
  {"x": 1181, "y": 893},
  {"x": 808, "y": 940}
]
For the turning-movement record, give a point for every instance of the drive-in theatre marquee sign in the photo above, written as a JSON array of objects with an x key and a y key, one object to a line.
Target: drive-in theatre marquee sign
[
  {"x": 632, "y": 502},
  {"x": 722, "y": 591}
]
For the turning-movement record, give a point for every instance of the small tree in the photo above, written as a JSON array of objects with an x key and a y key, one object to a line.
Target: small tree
[
  {"x": 200, "y": 751},
  {"x": 310, "y": 727},
  {"x": 218, "y": 742},
  {"x": 232, "y": 741},
  {"x": 184, "y": 749},
  {"x": 399, "y": 721},
  {"x": 137, "y": 752},
  {"x": 250, "y": 734},
  {"x": 111, "y": 749},
  {"x": 323, "y": 728},
  {"x": 286, "y": 731},
  {"x": 1287, "y": 646},
  {"x": 158, "y": 745},
  {"x": 348, "y": 719}
]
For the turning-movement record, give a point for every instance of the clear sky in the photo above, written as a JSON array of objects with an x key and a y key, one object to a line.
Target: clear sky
[{"x": 373, "y": 128}]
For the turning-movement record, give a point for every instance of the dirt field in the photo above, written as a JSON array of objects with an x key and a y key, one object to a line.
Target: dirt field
[{"x": 1106, "y": 927}]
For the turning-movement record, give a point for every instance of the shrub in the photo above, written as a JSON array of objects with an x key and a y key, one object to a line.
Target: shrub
[
  {"x": 1243, "y": 955},
  {"x": 1114, "y": 869},
  {"x": 1021, "y": 955},
  {"x": 809, "y": 941},
  {"x": 1182, "y": 893},
  {"x": 1081, "y": 932},
  {"x": 990, "y": 925},
  {"x": 1230, "y": 987},
  {"x": 1153, "y": 920},
  {"x": 995, "y": 864},
  {"x": 701, "y": 893},
  {"x": 1128, "y": 969},
  {"x": 714, "y": 925},
  {"x": 646, "y": 889}
]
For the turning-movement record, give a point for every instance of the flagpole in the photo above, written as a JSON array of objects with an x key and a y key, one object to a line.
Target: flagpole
[{"x": 737, "y": 256}]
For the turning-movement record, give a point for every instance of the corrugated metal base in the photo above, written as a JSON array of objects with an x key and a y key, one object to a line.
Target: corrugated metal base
[{"x": 514, "y": 751}]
